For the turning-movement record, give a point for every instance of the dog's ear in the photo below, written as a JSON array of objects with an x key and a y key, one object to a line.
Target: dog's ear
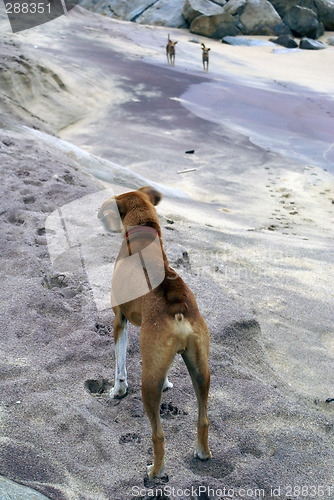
[
  {"x": 122, "y": 204},
  {"x": 154, "y": 195}
]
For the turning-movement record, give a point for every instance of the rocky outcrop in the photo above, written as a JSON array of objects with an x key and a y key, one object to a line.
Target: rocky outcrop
[
  {"x": 303, "y": 22},
  {"x": 218, "y": 18},
  {"x": 246, "y": 17}
]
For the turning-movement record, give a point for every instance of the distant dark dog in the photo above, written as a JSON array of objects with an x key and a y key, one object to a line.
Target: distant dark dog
[
  {"x": 205, "y": 57},
  {"x": 167, "y": 314},
  {"x": 170, "y": 51}
]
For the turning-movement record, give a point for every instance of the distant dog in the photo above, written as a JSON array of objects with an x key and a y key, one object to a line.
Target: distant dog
[
  {"x": 205, "y": 57},
  {"x": 167, "y": 314},
  {"x": 170, "y": 51}
]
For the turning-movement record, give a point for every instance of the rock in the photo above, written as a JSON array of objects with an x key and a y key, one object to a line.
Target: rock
[
  {"x": 216, "y": 26},
  {"x": 241, "y": 17},
  {"x": 323, "y": 8},
  {"x": 260, "y": 18},
  {"x": 283, "y": 6},
  {"x": 196, "y": 8},
  {"x": 330, "y": 41},
  {"x": 309, "y": 44},
  {"x": 128, "y": 11},
  {"x": 158, "y": 13},
  {"x": 303, "y": 22},
  {"x": 15, "y": 491},
  {"x": 164, "y": 13},
  {"x": 240, "y": 40},
  {"x": 286, "y": 41}
]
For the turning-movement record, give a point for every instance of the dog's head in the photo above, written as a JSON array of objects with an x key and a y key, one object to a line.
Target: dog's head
[
  {"x": 131, "y": 209},
  {"x": 205, "y": 50}
]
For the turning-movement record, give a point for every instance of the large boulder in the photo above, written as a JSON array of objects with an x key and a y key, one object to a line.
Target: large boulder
[
  {"x": 215, "y": 26},
  {"x": 164, "y": 13},
  {"x": 159, "y": 13},
  {"x": 116, "y": 8},
  {"x": 323, "y": 8},
  {"x": 303, "y": 22},
  {"x": 196, "y": 8},
  {"x": 245, "y": 17},
  {"x": 283, "y": 6},
  {"x": 260, "y": 18}
]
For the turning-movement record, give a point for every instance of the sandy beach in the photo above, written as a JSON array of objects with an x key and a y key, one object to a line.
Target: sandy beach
[{"x": 88, "y": 104}]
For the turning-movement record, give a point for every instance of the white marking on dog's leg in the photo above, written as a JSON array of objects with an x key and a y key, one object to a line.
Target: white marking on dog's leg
[
  {"x": 167, "y": 384},
  {"x": 121, "y": 385},
  {"x": 202, "y": 455},
  {"x": 161, "y": 474}
]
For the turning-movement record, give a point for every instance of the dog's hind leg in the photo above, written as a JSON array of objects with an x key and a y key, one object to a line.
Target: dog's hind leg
[
  {"x": 156, "y": 362},
  {"x": 196, "y": 360},
  {"x": 121, "y": 340}
]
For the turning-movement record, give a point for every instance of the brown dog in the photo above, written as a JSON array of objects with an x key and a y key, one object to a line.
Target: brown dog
[
  {"x": 170, "y": 51},
  {"x": 166, "y": 312}
]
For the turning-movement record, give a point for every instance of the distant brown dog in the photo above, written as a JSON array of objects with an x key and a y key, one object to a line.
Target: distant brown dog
[
  {"x": 205, "y": 57},
  {"x": 167, "y": 314},
  {"x": 170, "y": 51}
]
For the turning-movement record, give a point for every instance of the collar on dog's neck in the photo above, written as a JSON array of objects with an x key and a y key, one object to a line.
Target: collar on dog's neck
[{"x": 141, "y": 231}]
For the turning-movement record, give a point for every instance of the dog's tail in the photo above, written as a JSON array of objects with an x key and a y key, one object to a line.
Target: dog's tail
[
  {"x": 178, "y": 309},
  {"x": 179, "y": 317}
]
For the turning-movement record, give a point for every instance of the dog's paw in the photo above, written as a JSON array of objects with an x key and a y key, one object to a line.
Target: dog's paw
[
  {"x": 167, "y": 385},
  {"x": 151, "y": 473},
  {"x": 119, "y": 391},
  {"x": 201, "y": 455}
]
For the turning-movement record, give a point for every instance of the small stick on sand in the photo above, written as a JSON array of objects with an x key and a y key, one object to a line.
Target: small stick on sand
[{"x": 187, "y": 170}]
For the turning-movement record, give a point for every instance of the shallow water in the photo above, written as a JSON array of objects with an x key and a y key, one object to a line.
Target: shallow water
[{"x": 285, "y": 118}]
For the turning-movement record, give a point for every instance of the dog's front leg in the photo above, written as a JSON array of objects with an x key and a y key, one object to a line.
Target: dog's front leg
[{"x": 121, "y": 340}]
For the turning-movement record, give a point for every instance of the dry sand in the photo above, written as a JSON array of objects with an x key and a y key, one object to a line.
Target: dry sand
[{"x": 251, "y": 231}]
